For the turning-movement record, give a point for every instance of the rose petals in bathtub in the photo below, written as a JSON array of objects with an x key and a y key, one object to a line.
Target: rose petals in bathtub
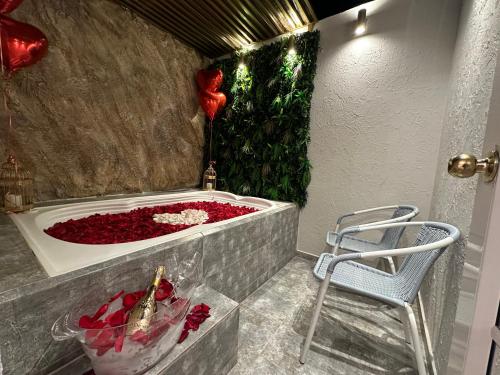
[{"x": 137, "y": 224}]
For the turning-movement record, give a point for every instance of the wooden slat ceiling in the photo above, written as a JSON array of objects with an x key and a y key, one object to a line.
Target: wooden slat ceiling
[{"x": 217, "y": 27}]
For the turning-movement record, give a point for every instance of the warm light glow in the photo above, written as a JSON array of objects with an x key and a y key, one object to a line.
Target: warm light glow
[
  {"x": 247, "y": 47},
  {"x": 361, "y": 29},
  {"x": 361, "y": 23},
  {"x": 301, "y": 30},
  {"x": 292, "y": 51},
  {"x": 241, "y": 66}
]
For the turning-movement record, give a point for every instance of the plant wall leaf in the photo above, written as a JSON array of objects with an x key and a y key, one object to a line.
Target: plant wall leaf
[{"x": 260, "y": 140}]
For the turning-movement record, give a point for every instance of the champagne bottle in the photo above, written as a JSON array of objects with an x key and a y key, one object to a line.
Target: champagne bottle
[{"x": 142, "y": 313}]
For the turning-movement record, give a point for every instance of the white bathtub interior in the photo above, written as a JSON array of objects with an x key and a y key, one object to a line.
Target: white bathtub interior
[{"x": 58, "y": 257}]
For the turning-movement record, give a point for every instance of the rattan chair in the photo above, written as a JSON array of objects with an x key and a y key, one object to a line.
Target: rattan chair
[
  {"x": 390, "y": 238},
  {"x": 399, "y": 289}
]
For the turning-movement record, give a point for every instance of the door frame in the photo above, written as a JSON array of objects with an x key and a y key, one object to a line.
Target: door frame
[{"x": 488, "y": 289}]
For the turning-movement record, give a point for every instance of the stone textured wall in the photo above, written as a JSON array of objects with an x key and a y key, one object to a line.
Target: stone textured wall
[
  {"x": 377, "y": 111},
  {"x": 474, "y": 63},
  {"x": 111, "y": 109}
]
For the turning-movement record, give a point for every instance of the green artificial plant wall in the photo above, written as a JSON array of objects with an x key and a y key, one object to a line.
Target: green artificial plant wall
[{"x": 260, "y": 139}]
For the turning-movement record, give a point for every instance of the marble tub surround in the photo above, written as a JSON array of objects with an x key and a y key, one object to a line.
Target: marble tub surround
[
  {"x": 212, "y": 350},
  {"x": 31, "y": 301},
  {"x": 240, "y": 258},
  {"x": 18, "y": 265},
  {"x": 30, "y": 310},
  {"x": 355, "y": 335},
  {"x": 59, "y": 256}
]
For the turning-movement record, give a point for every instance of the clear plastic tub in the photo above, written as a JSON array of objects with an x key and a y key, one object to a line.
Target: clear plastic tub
[{"x": 114, "y": 352}]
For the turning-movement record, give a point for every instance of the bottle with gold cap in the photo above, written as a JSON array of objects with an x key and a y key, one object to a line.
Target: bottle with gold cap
[{"x": 142, "y": 313}]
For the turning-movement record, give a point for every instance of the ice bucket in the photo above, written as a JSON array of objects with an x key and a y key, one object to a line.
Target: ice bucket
[{"x": 112, "y": 350}]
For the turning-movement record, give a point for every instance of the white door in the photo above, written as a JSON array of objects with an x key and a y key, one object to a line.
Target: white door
[{"x": 479, "y": 297}]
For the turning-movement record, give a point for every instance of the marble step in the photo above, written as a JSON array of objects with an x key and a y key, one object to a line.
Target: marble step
[{"x": 212, "y": 350}]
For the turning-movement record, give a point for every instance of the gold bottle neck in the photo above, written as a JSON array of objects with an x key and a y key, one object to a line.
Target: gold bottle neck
[{"x": 159, "y": 273}]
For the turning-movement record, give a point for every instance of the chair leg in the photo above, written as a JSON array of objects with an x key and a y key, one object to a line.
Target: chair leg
[
  {"x": 417, "y": 344},
  {"x": 315, "y": 317},
  {"x": 427, "y": 335},
  {"x": 402, "y": 314},
  {"x": 406, "y": 325},
  {"x": 392, "y": 266}
]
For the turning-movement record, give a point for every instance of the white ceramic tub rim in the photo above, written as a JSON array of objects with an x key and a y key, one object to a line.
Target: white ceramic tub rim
[{"x": 58, "y": 257}]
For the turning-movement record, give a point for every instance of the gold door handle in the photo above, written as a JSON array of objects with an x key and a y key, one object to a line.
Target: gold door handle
[{"x": 466, "y": 165}]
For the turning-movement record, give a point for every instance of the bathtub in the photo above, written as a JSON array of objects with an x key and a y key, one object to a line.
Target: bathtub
[{"x": 58, "y": 257}]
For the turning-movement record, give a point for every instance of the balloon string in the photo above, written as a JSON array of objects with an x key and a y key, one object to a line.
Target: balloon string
[{"x": 210, "y": 145}]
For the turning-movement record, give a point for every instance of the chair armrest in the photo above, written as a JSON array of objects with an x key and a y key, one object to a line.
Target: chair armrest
[
  {"x": 454, "y": 235},
  {"x": 369, "y": 210}
]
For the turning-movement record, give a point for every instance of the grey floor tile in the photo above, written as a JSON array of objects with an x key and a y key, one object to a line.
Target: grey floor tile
[
  {"x": 259, "y": 367},
  {"x": 355, "y": 335}
]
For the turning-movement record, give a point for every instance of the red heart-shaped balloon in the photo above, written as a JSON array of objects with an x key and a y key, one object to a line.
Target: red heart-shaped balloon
[
  {"x": 209, "y": 104},
  {"x": 209, "y": 80},
  {"x": 221, "y": 100},
  {"x": 7, "y": 6},
  {"x": 212, "y": 103},
  {"x": 22, "y": 44}
]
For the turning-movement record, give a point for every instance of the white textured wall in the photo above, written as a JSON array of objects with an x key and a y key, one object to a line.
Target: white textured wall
[
  {"x": 377, "y": 111},
  {"x": 474, "y": 62}
]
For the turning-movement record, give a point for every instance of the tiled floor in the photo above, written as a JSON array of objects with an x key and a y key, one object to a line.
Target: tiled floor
[{"x": 355, "y": 335}]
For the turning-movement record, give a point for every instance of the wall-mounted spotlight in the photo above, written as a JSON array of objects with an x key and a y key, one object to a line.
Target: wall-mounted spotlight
[
  {"x": 361, "y": 23},
  {"x": 242, "y": 64},
  {"x": 291, "y": 45}
]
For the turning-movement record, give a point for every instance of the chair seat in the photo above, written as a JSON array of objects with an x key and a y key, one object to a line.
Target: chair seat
[
  {"x": 364, "y": 280},
  {"x": 352, "y": 243}
]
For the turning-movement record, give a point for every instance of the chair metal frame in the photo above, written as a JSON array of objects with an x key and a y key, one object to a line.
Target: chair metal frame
[
  {"x": 406, "y": 217},
  {"x": 453, "y": 235}
]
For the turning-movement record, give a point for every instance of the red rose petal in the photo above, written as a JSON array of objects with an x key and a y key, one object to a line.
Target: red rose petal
[
  {"x": 103, "y": 339},
  {"x": 116, "y": 296},
  {"x": 140, "y": 336},
  {"x": 102, "y": 310},
  {"x": 117, "y": 318},
  {"x": 103, "y": 342},
  {"x": 130, "y": 299},
  {"x": 164, "y": 290},
  {"x": 197, "y": 316},
  {"x": 201, "y": 308},
  {"x": 119, "y": 340},
  {"x": 88, "y": 323},
  {"x": 183, "y": 336}
]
